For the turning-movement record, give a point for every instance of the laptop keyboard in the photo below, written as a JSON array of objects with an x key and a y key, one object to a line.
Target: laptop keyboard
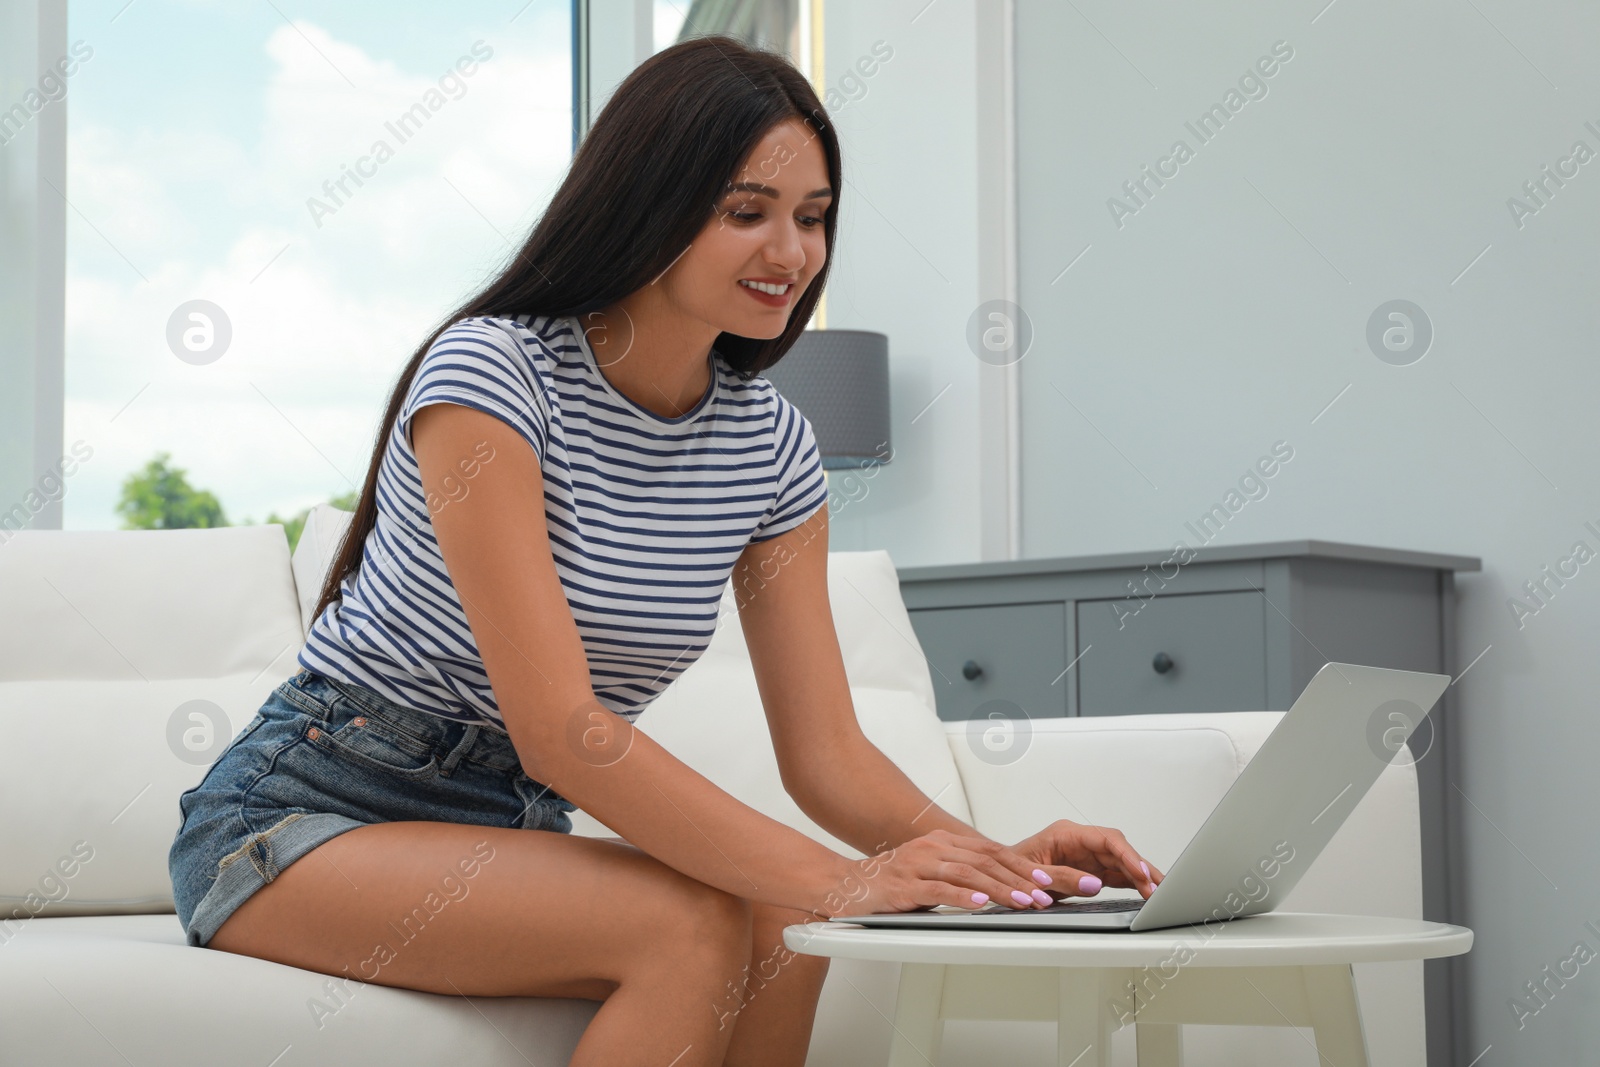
[{"x": 1076, "y": 906}]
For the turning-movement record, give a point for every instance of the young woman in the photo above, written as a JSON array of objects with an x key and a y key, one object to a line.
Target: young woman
[{"x": 569, "y": 472}]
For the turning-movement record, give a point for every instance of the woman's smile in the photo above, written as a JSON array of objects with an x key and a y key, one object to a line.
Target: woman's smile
[{"x": 765, "y": 293}]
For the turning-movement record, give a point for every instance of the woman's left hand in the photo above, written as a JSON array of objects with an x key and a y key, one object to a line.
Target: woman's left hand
[{"x": 1080, "y": 859}]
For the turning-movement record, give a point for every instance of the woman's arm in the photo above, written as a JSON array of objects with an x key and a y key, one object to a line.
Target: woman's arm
[
  {"x": 840, "y": 778},
  {"x": 496, "y": 548},
  {"x": 866, "y": 801}
]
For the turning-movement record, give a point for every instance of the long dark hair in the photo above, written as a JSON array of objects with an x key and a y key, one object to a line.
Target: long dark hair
[{"x": 641, "y": 186}]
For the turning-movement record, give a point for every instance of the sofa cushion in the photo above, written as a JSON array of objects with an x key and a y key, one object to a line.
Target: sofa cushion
[
  {"x": 89, "y": 780},
  {"x": 139, "y": 994},
  {"x": 146, "y": 605},
  {"x": 313, "y": 555},
  {"x": 880, "y": 648}
]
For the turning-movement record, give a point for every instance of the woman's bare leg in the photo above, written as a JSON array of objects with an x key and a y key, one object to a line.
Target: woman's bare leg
[
  {"x": 776, "y": 997},
  {"x": 777, "y": 1031},
  {"x": 543, "y": 914}
]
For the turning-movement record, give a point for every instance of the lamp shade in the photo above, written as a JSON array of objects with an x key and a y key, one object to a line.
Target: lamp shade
[{"x": 839, "y": 379}]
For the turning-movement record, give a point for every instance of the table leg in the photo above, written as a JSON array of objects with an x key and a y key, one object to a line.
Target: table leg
[
  {"x": 918, "y": 1024},
  {"x": 1335, "y": 1015},
  {"x": 1083, "y": 1026},
  {"x": 1160, "y": 1044}
]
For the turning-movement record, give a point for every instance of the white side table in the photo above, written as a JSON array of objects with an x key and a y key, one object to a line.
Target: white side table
[{"x": 1277, "y": 969}]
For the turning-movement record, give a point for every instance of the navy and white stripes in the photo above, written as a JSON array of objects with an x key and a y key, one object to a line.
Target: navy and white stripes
[{"x": 647, "y": 516}]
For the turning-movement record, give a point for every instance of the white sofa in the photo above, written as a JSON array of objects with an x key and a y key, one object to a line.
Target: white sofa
[{"x": 119, "y": 649}]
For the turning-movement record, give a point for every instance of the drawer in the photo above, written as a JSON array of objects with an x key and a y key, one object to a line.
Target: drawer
[
  {"x": 1017, "y": 653},
  {"x": 1215, "y": 642}
]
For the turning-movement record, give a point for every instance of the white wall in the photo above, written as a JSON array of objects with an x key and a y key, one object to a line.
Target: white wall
[{"x": 1231, "y": 310}]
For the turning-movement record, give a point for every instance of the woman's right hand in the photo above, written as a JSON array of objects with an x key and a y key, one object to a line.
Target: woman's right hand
[{"x": 937, "y": 868}]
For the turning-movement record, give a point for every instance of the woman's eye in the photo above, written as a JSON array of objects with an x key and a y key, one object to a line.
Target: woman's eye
[{"x": 811, "y": 221}]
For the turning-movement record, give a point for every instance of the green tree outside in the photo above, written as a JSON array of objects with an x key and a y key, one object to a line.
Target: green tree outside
[{"x": 159, "y": 497}]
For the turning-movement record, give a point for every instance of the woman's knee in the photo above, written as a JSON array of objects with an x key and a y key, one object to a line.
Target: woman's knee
[
  {"x": 699, "y": 927},
  {"x": 680, "y": 906},
  {"x": 714, "y": 923}
]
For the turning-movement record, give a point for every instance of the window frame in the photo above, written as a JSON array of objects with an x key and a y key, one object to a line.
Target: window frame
[{"x": 33, "y": 241}]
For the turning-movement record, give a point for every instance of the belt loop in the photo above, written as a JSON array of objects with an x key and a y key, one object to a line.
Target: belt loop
[{"x": 469, "y": 737}]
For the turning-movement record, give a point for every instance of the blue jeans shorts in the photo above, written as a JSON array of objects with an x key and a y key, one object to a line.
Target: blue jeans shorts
[{"x": 324, "y": 756}]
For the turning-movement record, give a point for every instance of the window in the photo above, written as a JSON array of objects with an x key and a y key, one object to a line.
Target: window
[{"x": 270, "y": 206}]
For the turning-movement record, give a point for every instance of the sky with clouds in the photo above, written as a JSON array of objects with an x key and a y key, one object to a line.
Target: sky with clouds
[{"x": 198, "y": 131}]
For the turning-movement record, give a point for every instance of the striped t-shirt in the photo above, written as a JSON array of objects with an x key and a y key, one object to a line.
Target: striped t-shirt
[{"x": 647, "y": 516}]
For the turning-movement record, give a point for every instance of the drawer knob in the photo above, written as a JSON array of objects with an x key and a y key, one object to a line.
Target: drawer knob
[
  {"x": 1162, "y": 663},
  {"x": 970, "y": 670}
]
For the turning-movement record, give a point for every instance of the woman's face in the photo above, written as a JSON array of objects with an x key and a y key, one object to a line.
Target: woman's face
[{"x": 767, "y": 226}]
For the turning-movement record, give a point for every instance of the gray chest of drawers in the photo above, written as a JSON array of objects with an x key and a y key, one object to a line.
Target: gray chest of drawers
[{"x": 1224, "y": 628}]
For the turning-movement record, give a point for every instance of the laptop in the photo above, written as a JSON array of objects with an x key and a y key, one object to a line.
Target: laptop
[{"x": 1261, "y": 838}]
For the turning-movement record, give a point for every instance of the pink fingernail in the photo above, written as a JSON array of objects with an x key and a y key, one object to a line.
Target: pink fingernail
[
  {"x": 1089, "y": 884},
  {"x": 1020, "y": 897},
  {"x": 1040, "y": 877},
  {"x": 980, "y": 899},
  {"x": 1146, "y": 868},
  {"x": 1042, "y": 897}
]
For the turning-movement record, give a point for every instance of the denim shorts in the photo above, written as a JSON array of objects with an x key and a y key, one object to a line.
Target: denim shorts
[{"x": 324, "y": 756}]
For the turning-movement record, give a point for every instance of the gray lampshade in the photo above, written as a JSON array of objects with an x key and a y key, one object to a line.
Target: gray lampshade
[{"x": 839, "y": 379}]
